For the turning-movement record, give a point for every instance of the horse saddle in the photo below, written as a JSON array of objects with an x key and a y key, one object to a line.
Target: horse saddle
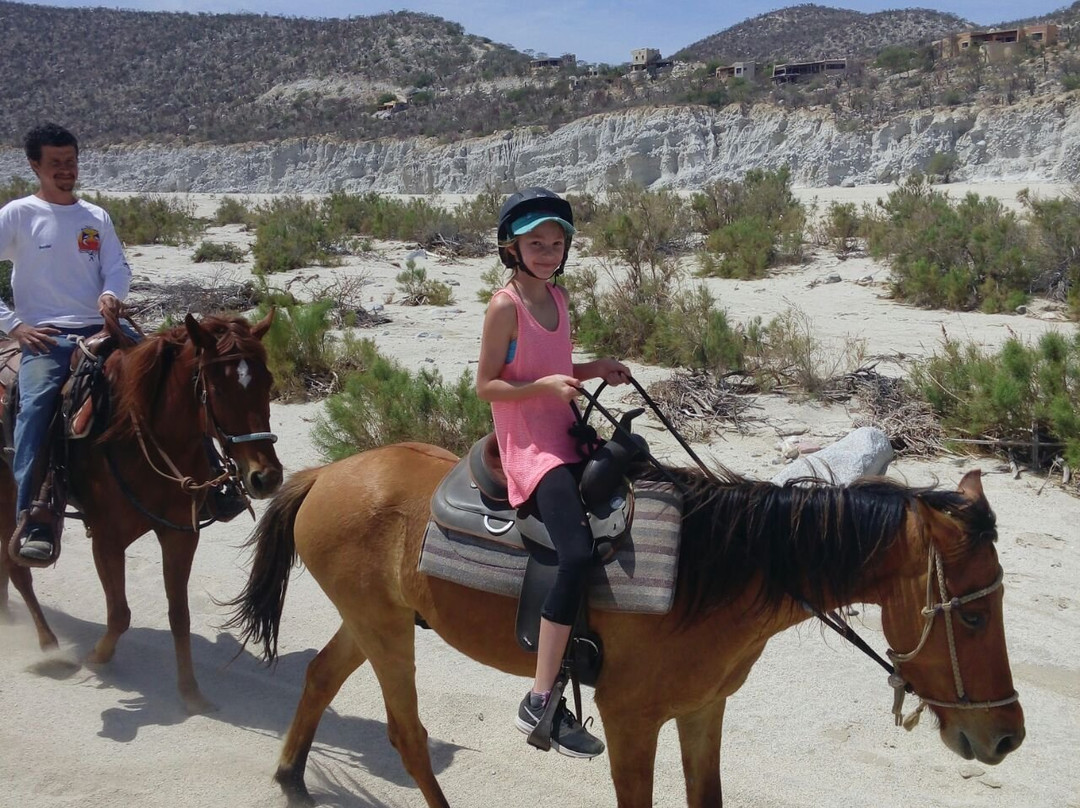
[
  {"x": 473, "y": 499},
  {"x": 81, "y": 398}
]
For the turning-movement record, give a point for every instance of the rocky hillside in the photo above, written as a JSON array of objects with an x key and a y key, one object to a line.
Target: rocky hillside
[
  {"x": 672, "y": 147},
  {"x": 804, "y": 32},
  {"x": 125, "y": 75}
]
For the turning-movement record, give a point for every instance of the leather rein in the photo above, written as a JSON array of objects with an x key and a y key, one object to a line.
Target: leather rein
[{"x": 211, "y": 432}]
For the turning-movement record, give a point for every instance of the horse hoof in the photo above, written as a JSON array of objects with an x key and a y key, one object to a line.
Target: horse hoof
[
  {"x": 296, "y": 792},
  {"x": 198, "y": 704}
]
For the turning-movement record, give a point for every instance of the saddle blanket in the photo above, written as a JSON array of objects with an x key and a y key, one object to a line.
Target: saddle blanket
[{"x": 639, "y": 577}]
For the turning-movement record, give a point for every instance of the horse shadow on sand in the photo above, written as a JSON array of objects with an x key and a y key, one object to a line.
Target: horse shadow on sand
[{"x": 248, "y": 695}]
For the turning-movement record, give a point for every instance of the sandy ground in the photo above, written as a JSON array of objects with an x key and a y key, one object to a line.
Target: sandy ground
[{"x": 811, "y": 726}]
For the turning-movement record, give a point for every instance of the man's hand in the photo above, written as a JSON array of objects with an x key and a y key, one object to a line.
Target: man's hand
[
  {"x": 35, "y": 340},
  {"x": 107, "y": 304}
]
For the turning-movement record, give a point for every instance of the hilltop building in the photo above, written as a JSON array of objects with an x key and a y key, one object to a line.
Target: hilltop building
[
  {"x": 742, "y": 70},
  {"x": 647, "y": 61},
  {"x": 999, "y": 43},
  {"x": 802, "y": 71},
  {"x": 553, "y": 62}
]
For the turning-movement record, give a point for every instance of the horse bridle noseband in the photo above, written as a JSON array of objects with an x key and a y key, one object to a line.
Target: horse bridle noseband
[{"x": 945, "y": 607}]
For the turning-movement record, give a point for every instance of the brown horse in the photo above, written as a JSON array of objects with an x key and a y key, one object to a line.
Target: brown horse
[
  {"x": 752, "y": 555},
  {"x": 169, "y": 394}
]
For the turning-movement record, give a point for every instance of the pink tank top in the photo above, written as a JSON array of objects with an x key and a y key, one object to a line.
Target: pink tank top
[{"x": 533, "y": 433}]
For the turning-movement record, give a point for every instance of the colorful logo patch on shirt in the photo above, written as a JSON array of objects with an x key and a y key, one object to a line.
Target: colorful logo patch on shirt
[{"x": 89, "y": 240}]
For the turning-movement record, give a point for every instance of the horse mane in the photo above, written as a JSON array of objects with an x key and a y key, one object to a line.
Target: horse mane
[
  {"x": 805, "y": 540},
  {"x": 147, "y": 365}
]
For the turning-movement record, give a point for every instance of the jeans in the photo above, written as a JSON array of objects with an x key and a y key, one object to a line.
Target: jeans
[{"x": 41, "y": 375}]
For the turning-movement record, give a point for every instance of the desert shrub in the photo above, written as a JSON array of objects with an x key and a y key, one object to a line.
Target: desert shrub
[
  {"x": 233, "y": 210},
  {"x": 1055, "y": 236},
  {"x": 1001, "y": 396},
  {"x": 385, "y": 403},
  {"x": 6, "y": 295},
  {"x": 465, "y": 230},
  {"x": 787, "y": 355},
  {"x": 15, "y": 188},
  {"x": 897, "y": 59},
  {"x": 752, "y": 224},
  {"x": 302, "y": 354},
  {"x": 747, "y": 248},
  {"x": 289, "y": 234},
  {"x": 419, "y": 290},
  {"x": 941, "y": 165},
  {"x": 638, "y": 226},
  {"x": 215, "y": 251},
  {"x": 694, "y": 333},
  {"x": 840, "y": 227},
  {"x": 493, "y": 278},
  {"x": 146, "y": 219},
  {"x": 969, "y": 255}
]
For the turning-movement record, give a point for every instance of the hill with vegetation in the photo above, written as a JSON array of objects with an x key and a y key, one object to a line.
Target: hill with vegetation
[
  {"x": 179, "y": 78},
  {"x": 806, "y": 32}
]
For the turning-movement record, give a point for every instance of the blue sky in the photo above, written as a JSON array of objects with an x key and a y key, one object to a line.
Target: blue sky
[{"x": 594, "y": 30}]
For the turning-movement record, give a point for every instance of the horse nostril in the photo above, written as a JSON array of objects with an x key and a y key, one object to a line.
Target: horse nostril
[
  {"x": 265, "y": 481},
  {"x": 1009, "y": 743}
]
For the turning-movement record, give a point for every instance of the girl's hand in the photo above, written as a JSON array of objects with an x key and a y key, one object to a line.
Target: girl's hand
[
  {"x": 565, "y": 387},
  {"x": 613, "y": 371}
]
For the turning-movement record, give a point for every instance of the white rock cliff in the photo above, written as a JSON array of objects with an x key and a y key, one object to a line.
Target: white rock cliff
[{"x": 671, "y": 147}]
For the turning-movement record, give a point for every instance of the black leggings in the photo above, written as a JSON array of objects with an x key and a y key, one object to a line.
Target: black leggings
[{"x": 558, "y": 502}]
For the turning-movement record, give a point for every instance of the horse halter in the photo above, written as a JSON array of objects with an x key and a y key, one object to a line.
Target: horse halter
[{"x": 944, "y": 607}]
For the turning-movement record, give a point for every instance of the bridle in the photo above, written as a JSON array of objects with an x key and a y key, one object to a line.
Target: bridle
[
  {"x": 944, "y": 607},
  {"x": 211, "y": 432}
]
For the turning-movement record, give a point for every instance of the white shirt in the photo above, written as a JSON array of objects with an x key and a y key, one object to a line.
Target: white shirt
[{"x": 64, "y": 258}]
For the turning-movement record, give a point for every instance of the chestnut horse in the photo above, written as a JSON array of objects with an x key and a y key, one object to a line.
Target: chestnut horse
[
  {"x": 753, "y": 556},
  {"x": 168, "y": 395}
]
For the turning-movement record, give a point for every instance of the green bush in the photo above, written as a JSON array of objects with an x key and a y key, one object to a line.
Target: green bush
[
  {"x": 15, "y": 188},
  {"x": 841, "y": 227},
  {"x": 289, "y": 234},
  {"x": 747, "y": 247},
  {"x": 973, "y": 254},
  {"x": 232, "y": 210},
  {"x": 639, "y": 227},
  {"x": 146, "y": 219},
  {"x": 418, "y": 290},
  {"x": 384, "y": 403},
  {"x": 214, "y": 251},
  {"x": 750, "y": 224},
  {"x": 1056, "y": 243},
  {"x": 6, "y": 294},
  {"x": 978, "y": 395}
]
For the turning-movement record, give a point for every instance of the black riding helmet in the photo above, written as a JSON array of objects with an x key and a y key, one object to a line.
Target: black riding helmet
[{"x": 531, "y": 200}]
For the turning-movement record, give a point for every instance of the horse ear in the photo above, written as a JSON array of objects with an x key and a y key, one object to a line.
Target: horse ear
[
  {"x": 260, "y": 328},
  {"x": 199, "y": 335},
  {"x": 971, "y": 485}
]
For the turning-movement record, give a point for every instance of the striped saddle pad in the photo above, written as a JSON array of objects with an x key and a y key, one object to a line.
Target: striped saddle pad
[{"x": 640, "y": 576}]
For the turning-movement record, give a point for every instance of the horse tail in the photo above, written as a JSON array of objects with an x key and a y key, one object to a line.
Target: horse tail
[{"x": 257, "y": 609}]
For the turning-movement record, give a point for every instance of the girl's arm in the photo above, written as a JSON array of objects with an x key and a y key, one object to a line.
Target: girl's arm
[
  {"x": 500, "y": 327},
  {"x": 610, "y": 370}
]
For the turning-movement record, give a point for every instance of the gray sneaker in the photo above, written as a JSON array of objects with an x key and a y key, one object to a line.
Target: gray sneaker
[
  {"x": 38, "y": 543},
  {"x": 568, "y": 736}
]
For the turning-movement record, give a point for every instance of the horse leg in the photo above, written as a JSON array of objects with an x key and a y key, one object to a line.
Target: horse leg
[
  {"x": 631, "y": 739},
  {"x": 109, "y": 561},
  {"x": 17, "y": 574},
  {"x": 392, "y": 654},
  {"x": 177, "y": 553},
  {"x": 699, "y": 738},
  {"x": 325, "y": 675}
]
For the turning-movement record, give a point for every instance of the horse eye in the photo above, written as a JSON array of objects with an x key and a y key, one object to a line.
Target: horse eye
[{"x": 972, "y": 620}]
